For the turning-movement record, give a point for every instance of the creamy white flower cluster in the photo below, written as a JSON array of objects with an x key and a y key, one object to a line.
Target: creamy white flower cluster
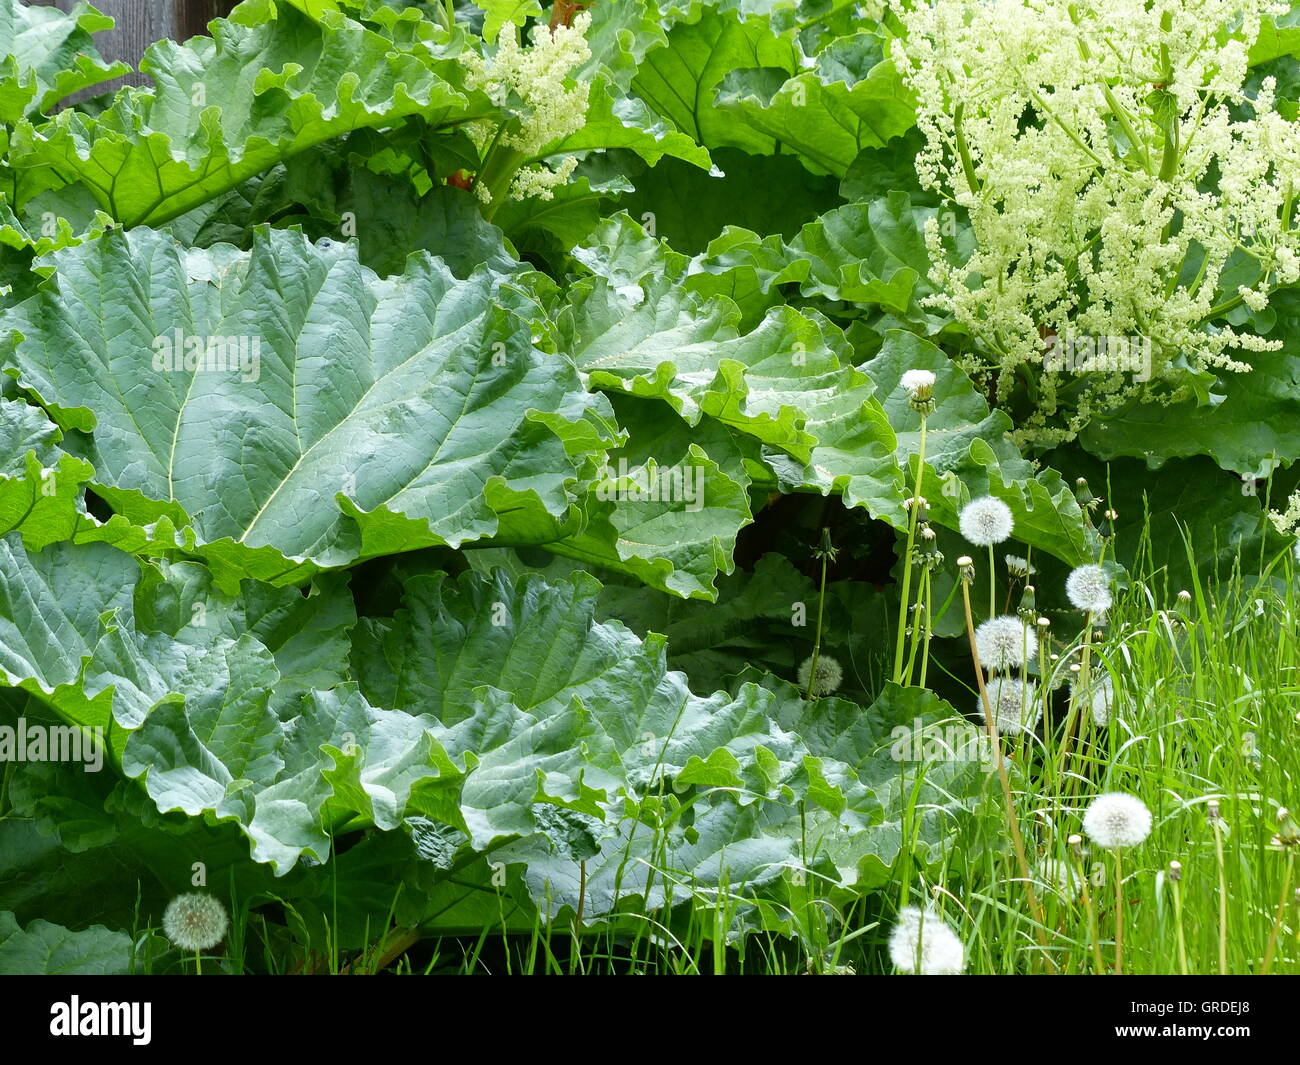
[
  {"x": 541, "y": 78},
  {"x": 1111, "y": 165}
]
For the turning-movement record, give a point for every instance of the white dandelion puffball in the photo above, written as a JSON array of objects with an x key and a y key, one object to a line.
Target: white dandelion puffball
[
  {"x": 1100, "y": 697},
  {"x": 986, "y": 521},
  {"x": 829, "y": 675},
  {"x": 1088, "y": 588},
  {"x": 918, "y": 384},
  {"x": 1005, "y": 642},
  {"x": 1057, "y": 875},
  {"x": 922, "y": 942},
  {"x": 1115, "y": 821},
  {"x": 195, "y": 921},
  {"x": 1015, "y": 704}
]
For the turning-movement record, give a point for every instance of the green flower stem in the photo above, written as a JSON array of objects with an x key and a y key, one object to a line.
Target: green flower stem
[
  {"x": 963, "y": 150},
  {"x": 905, "y": 592},
  {"x": 1094, "y": 930},
  {"x": 817, "y": 637},
  {"x": 1223, "y": 897},
  {"x": 1269, "y": 950},
  {"x": 1076, "y": 698},
  {"x": 993, "y": 584},
  {"x": 1178, "y": 919},
  {"x": 1013, "y": 821},
  {"x": 925, "y": 646},
  {"x": 1119, "y": 913},
  {"x": 500, "y": 165}
]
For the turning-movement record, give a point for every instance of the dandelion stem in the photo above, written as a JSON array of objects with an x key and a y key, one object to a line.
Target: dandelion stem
[
  {"x": 1277, "y": 918},
  {"x": 925, "y": 638},
  {"x": 993, "y": 585},
  {"x": 1013, "y": 822},
  {"x": 817, "y": 636},
  {"x": 1076, "y": 698},
  {"x": 905, "y": 591},
  {"x": 1119, "y": 913},
  {"x": 1094, "y": 931},
  {"x": 1216, "y": 825},
  {"x": 1178, "y": 919}
]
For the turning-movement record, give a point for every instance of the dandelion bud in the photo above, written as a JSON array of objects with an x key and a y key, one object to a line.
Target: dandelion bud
[
  {"x": 1212, "y": 811},
  {"x": 825, "y": 549},
  {"x": 966, "y": 568},
  {"x": 1083, "y": 494},
  {"x": 1288, "y": 832},
  {"x": 1019, "y": 567},
  {"x": 1175, "y": 871},
  {"x": 1027, "y": 607},
  {"x": 1075, "y": 843}
]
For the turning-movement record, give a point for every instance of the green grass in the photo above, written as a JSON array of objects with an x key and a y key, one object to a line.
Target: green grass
[{"x": 1206, "y": 711}]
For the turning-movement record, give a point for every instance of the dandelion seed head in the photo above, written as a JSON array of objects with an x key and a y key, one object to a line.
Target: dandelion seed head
[
  {"x": 1058, "y": 875},
  {"x": 1015, "y": 707},
  {"x": 1100, "y": 697},
  {"x": 922, "y": 942},
  {"x": 918, "y": 384},
  {"x": 1116, "y": 820},
  {"x": 195, "y": 921},
  {"x": 829, "y": 675},
  {"x": 986, "y": 521},
  {"x": 1005, "y": 642},
  {"x": 1088, "y": 588}
]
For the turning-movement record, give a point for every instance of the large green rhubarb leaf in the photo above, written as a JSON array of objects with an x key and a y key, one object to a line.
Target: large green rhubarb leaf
[
  {"x": 298, "y": 411},
  {"x": 48, "y": 54},
  {"x": 45, "y": 949},
  {"x": 678, "y": 82},
  {"x": 740, "y": 762},
  {"x": 102, "y": 638},
  {"x": 853, "y": 98},
  {"x": 669, "y": 503},
  {"x": 270, "y": 83}
]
